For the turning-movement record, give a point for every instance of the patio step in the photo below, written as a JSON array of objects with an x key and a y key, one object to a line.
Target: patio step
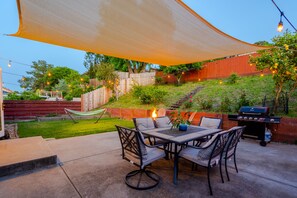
[
  {"x": 24, "y": 154},
  {"x": 184, "y": 98}
]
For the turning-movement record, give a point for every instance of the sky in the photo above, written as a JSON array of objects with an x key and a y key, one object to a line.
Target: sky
[{"x": 249, "y": 21}]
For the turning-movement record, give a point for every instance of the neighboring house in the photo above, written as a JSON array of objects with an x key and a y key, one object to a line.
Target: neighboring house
[{"x": 6, "y": 91}]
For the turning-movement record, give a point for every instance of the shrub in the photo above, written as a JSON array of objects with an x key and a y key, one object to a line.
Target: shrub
[
  {"x": 68, "y": 97},
  {"x": 225, "y": 105},
  {"x": 112, "y": 99},
  {"x": 137, "y": 90},
  {"x": 188, "y": 104},
  {"x": 152, "y": 95},
  {"x": 158, "y": 80},
  {"x": 232, "y": 78},
  {"x": 26, "y": 95},
  {"x": 243, "y": 101},
  {"x": 206, "y": 104}
]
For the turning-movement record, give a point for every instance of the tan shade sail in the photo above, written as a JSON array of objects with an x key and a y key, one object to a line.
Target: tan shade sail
[{"x": 164, "y": 32}]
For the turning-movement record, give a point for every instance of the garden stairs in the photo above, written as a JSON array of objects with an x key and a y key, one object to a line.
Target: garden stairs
[{"x": 184, "y": 98}]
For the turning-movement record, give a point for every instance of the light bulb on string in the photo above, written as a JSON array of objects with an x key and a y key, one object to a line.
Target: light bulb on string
[{"x": 9, "y": 63}]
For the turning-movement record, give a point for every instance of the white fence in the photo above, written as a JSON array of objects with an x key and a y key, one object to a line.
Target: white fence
[{"x": 99, "y": 97}]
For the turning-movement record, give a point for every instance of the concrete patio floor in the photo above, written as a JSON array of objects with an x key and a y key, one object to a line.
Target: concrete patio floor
[{"x": 91, "y": 166}]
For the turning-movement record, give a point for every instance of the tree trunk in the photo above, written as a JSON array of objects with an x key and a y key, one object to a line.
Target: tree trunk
[
  {"x": 278, "y": 91},
  {"x": 130, "y": 70}
]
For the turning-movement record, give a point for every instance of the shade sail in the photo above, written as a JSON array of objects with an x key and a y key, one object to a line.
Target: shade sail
[{"x": 164, "y": 32}]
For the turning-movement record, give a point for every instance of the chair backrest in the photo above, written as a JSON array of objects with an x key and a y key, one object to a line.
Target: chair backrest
[
  {"x": 161, "y": 112},
  {"x": 213, "y": 123},
  {"x": 192, "y": 116},
  {"x": 233, "y": 139},
  {"x": 214, "y": 147},
  {"x": 163, "y": 122},
  {"x": 133, "y": 147},
  {"x": 143, "y": 124}
]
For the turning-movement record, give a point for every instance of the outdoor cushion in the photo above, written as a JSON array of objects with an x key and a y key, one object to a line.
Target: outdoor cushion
[
  {"x": 152, "y": 155},
  {"x": 163, "y": 122},
  {"x": 192, "y": 154},
  {"x": 143, "y": 124},
  {"x": 213, "y": 123}
]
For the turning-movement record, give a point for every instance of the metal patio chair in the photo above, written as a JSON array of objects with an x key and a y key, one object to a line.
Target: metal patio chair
[
  {"x": 207, "y": 156},
  {"x": 138, "y": 153},
  {"x": 208, "y": 122},
  {"x": 230, "y": 148}
]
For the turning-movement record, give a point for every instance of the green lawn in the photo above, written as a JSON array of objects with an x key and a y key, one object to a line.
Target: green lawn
[{"x": 66, "y": 128}]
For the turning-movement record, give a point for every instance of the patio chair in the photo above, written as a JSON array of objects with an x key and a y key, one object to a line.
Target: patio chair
[
  {"x": 138, "y": 153},
  {"x": 144, "y": 124},
  {"x": 230, "y": 148},
  {"x": 207, "y": 156},
  {"x": 208, "y": 122},
  {"x": 192, "y": 116},
  {"x": 161, "y": 112},
  {"x": 163, "y": 122}
]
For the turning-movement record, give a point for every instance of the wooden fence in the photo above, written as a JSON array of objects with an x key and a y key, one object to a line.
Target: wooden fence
[
  {"x": 217, "y": 69},
  {"x": 24, "y": 109},
  {"x": 99, "y": 97}
]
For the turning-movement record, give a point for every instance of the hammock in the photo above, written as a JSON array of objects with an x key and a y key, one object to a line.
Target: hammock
[{"x": 79, "y": 113}]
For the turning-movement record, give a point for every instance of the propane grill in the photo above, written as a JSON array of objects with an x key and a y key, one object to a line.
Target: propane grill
[{"x": 256, "y": 120}]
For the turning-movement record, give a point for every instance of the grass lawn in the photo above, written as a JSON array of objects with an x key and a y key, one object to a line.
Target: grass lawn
[{"x": 66, "y": 128}]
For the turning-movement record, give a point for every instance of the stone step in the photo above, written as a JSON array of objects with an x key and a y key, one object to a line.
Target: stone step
[
  {"x": 24, "y": 154},
  {"x": 184, "y": 98}
]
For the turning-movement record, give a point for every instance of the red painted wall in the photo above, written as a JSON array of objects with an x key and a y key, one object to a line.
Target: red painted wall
[
  {"x": 284, "y": 132},
  {"x": 23, "y": 109}
]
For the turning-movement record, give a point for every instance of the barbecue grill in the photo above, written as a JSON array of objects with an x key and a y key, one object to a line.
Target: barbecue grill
[{"x": 256, "y": 120}]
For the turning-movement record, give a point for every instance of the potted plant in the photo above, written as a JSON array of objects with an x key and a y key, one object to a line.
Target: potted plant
[{"x": 181, "y": 122}]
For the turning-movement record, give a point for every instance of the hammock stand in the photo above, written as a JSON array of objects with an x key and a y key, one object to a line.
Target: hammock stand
[{"x": 79, "y": 113}]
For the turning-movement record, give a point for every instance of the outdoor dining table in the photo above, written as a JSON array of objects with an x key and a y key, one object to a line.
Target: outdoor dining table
[{"x": 179, "y": 138}]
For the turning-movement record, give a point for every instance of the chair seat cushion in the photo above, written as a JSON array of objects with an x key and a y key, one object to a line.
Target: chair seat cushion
[
  {"x": 192, "y": 154},
  {"x": 152, "y": 155}
]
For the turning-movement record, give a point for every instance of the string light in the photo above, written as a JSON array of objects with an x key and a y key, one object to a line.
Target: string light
[
  {"x": 9, "y": 63},
  {"x": 12, "y": 61},
  {"x": 280, "y": 24},
  {"x": 11, "y": 73}
]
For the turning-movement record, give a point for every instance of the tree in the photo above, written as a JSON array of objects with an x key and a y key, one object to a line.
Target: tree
[
  {"x": 107, "y": 73},
  {"x": 58, "y": 73},
  {"x": 263, "y": 43},
  {"x": 179, "y": 70},
  {"x": 38, "y": 76},
  {"x": 281, "y": 60},
  {"x": 62, "y": 86},
  {"x": 92, "y": 63}
]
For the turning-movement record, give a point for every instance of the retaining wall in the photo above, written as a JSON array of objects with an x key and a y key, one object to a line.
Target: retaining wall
[{"x": 285, "y": 132}]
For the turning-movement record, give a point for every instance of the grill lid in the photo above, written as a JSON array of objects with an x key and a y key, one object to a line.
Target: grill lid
[{"x": 249, "y": 110}]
